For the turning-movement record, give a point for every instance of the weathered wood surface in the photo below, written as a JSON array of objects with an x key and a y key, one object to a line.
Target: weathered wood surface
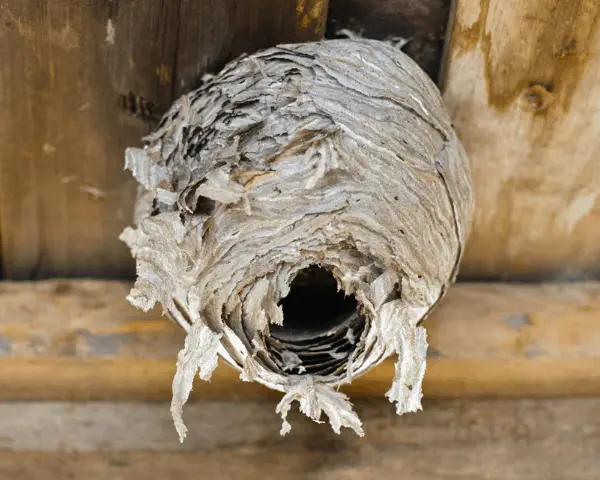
[
  {"x": 81, "y": 340},
  {"x": 522, "y": 84},
  {"x": 501, "y": 440},
  {"x": 421, "y": 22},
  {"x": 69, "y": 69}
]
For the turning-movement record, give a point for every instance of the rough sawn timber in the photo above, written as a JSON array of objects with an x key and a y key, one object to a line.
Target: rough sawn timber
[
  {"x": 522, "y": 85},
  {"x": 65, "y": 339},
  {"x": 492, "y": 440}
]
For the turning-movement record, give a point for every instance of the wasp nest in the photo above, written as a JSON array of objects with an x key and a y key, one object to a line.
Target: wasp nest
[{"x": 296, "y": 173}]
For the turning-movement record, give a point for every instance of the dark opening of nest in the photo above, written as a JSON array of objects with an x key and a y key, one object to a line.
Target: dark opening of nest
[
  {"x": 314, "y": 305},
  {"x": 321, "y": 325}
]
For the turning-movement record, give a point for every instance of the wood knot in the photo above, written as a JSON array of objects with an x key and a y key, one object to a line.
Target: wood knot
[{"x": 537, "y": 97}]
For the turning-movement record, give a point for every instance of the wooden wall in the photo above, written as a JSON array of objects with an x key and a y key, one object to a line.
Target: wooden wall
[{"x": 82, "y": 79}]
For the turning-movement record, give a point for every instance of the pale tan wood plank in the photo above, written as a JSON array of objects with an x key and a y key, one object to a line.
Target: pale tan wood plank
[
  {"x": 522, "y": 84},
  {"x": 502, "y": 440},
  {"x": 80, "y": 339}
]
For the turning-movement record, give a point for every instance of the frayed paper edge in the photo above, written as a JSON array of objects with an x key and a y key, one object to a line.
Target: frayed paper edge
[
  {"x": 314, "y": 399},
  {"x": 398, "y": 327},
  {"x": 407, "y": 391},
  {"x": 198, "y": 355},
  {"x": 393, "y": 40}
]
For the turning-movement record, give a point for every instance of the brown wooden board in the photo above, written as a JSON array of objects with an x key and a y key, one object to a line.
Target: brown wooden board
[
  {"x": 423, "y": 22},
  {"x": 82, "y": 79},
  {"x": 522, "y": 84},
  {"x": 492, "y": 440},
  {"x": 78, "y": 339}
]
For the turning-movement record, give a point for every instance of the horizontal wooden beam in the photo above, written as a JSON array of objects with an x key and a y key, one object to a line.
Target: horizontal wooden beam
[
  {"x": 79, "y": 339},
  {"x": 508, "y": 440}
]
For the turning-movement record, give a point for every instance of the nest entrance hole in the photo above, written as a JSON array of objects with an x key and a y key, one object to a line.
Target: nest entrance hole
[{"x": 321, "y": 326}]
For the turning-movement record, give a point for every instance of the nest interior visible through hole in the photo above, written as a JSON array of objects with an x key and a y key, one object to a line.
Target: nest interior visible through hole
[{"x": 321, "y": 326}]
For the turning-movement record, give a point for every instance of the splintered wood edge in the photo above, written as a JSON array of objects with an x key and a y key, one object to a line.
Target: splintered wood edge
[{"x": 80, "y": 340}]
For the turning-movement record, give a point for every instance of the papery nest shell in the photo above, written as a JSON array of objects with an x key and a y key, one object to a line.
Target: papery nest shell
[{"x": 337, "y": 154}]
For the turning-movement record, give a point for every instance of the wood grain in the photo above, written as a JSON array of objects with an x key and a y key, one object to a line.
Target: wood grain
[
  {"x": 521, "y": 83},
  {"x": 69, "y": 70},
  {"x": 495, "y": 440},
  {"x": 81, "y": 340},
  {"x": 423, "y": 22}
]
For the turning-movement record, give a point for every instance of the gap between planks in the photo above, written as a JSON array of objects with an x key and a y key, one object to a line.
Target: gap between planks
[{"x": 79, "y": 339}]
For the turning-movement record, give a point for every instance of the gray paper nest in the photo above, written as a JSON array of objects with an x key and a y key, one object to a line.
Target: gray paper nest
[{"x": 337, "y": 155}]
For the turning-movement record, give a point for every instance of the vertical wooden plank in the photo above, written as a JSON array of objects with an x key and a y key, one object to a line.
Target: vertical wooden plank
[
  {"x": 64, "y": 195},
  {"x": 205, "y": 45},
  {"x": 522, "y": 83},
  {"x": 69, "y": 68}
]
